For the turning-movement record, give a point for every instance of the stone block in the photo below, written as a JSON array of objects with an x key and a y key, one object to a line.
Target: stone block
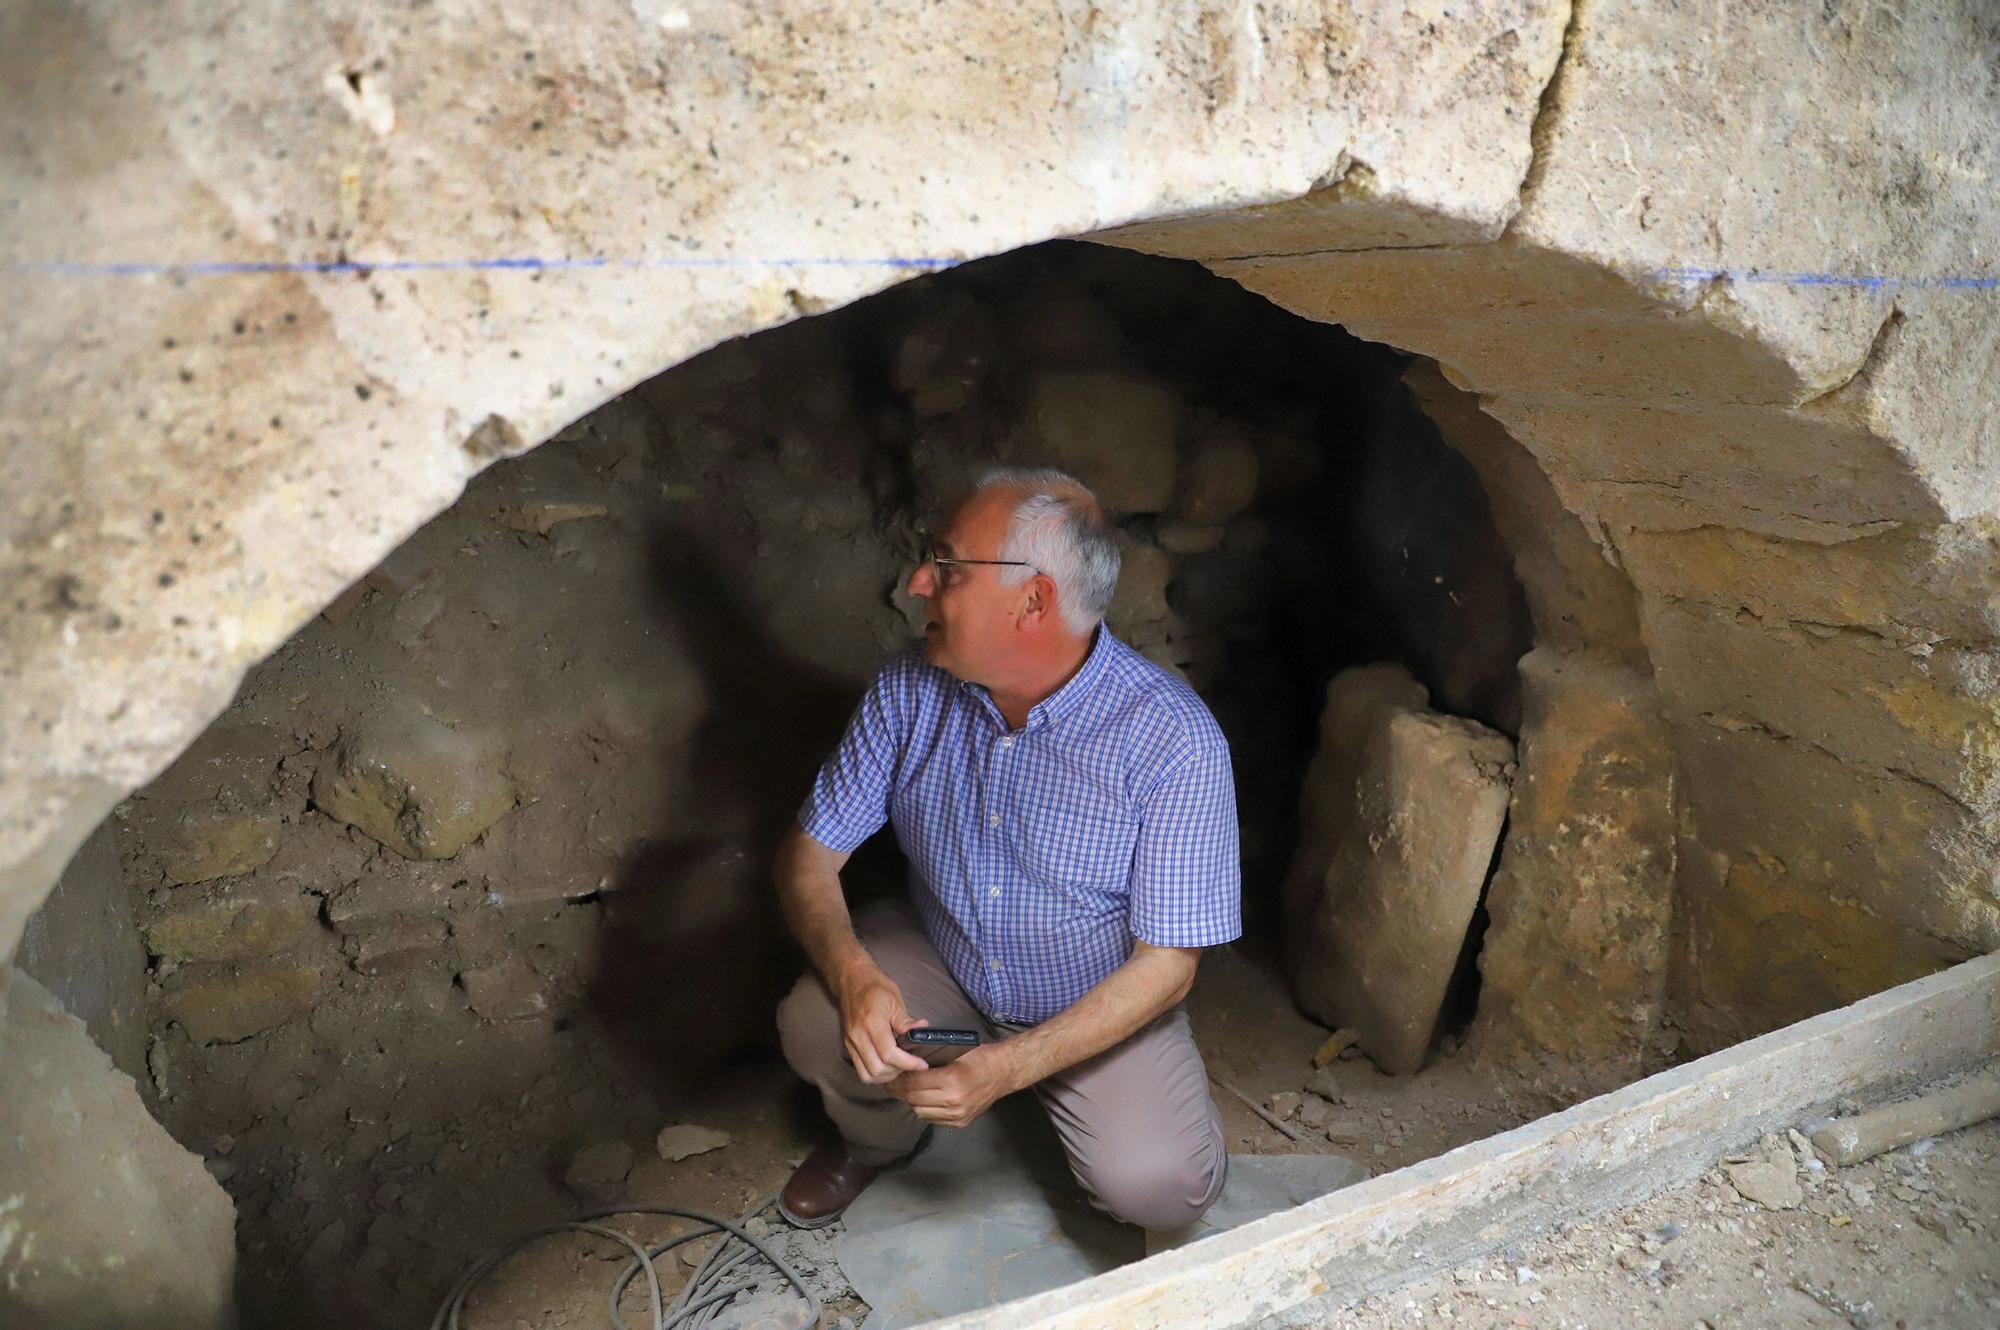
[
  {"x": 1355, "y": 701},
  {"x": 390, "y": 887},
  {"x": 940, "y": 363},
  {"x": 508, "y": 990},
  {"x": 413, "y": 783},
  {"x": 83, "y": 945},
  {"x": 398, "y": 946},
  {"x": 1218, "y": 480},
  {"x": 319, "y": 854},
  {"x": 215, "y": 812},
  {"x": 1413, "y": 826},
  {"x": 1181, "y": 538},
  {"x": 233, "y": 919},
  {"x": 1141, "y": 598},
  {"x": 1115, "y": 432},
  {"x": 1575, "y": 960},
  {"x": 104, "y": 1219},
  {"x": 201, "y": 843},
  {"x": 598, "y": 1172},
  {"x": 223, "y": 1004}
]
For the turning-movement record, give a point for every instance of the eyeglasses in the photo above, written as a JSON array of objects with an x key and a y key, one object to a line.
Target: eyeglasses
[{"x": 944, "y": 563}]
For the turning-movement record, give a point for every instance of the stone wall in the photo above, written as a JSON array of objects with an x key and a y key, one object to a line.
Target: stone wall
[
  {"x": 1652, "y": 238},
  {"x": 1575, "y": 961},
  {"x": 1784, "y": 438},
  {"x": 542, "y": 752},
  {"x": 83, "y": 947}
]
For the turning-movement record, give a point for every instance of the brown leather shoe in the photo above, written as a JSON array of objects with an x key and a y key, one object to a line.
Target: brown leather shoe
[{"x": 827, "y": 1182}]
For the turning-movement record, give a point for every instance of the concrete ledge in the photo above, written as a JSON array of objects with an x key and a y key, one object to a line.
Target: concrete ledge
[{"x": 1600, "y": 1155}]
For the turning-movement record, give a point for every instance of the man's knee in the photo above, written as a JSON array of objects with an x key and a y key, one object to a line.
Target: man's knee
[
  {"x": 809, "y": 1027},
  {"x": 1158, "y": 1188}
]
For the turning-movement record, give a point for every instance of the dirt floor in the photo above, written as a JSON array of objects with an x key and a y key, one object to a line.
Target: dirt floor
[
  {"x": 1908, "y": 1239},
  {"x": 367, "y": 1177}
]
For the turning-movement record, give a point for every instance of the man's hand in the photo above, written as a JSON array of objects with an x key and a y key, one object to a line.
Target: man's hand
[
  {"x": 958, "y": 1092},
  {"x": 871, "y": 1016}
]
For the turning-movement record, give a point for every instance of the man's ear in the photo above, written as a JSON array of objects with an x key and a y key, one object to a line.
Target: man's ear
[{"x": 1041, "y": 598}]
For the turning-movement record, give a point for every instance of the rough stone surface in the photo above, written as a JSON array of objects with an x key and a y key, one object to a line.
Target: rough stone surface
[
  {"x": 222, "y": 1004},
  {"x": 234, "y": 919},
  {"x": 1141, "y": 599},
  {"x": 1115, "y": 432},
  {"x": 217, "y": 811},
  {"x": 1356, "y": 700},
  {"x": 1579, "y": 597},
  {"x": 104, "y": 1220},
  {"x": 1769, "y": 1177},
  {"x": 508, "y": 990},
  {"x": 1718, "y": 395},
  {"x": 1611, "y": 223},
  {"x": 414, "y": 784},
  {"x": 1217, "y": 481},
  {"x": 83, "y": 946},
  {"x": 1574, "y": 963},
  {"x": 1408, "y": 830},
  {"x": 597, "y": 1172},
  {"x": 683, "y": 1140}
]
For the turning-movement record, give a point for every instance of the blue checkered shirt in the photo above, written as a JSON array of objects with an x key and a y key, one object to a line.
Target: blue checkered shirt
[{"x": 1037, "y": 855}]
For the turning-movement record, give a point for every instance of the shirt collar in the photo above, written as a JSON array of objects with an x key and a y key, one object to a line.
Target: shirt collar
[{"x": 1070, "y": 696}]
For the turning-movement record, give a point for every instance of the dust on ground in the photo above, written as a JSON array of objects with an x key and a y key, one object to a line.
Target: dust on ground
[{"x": 1906, "y": 1240}]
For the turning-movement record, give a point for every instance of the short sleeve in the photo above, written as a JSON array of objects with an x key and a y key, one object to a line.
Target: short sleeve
[
  {"x": 1187, "y": 871},
  {"x": 850, "y": 796}
]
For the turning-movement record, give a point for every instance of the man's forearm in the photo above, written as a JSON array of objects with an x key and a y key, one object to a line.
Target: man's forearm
[
  {"x": 815, "y": 908},
  {"x": 1148, "y": 983}
]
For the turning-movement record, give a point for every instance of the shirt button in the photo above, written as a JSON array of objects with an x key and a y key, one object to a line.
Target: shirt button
[
  {"x": 1007, "y": 742},
  {"x": 993, "y": 965},
  {"x": 993, "y": 820},
  {"x": 993, "y": 891}
]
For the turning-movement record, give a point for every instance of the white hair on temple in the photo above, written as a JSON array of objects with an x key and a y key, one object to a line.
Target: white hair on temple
[{"x": 1060, "y": 529}]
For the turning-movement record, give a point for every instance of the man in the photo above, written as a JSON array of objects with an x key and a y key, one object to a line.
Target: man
[{"x": 1070, "y": 821}]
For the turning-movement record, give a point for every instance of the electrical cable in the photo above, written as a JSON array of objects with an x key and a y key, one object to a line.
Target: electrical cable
[{"x": 719, "y": 1280}]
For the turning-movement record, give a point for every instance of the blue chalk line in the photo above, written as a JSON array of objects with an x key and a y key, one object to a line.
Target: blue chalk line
[
  {"x": 338, "y": 267},
  {"x": 1859, "y": 281}
]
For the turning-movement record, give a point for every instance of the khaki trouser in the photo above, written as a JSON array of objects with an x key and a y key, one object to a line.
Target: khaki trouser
[{"x": 1141, "y": 1130}]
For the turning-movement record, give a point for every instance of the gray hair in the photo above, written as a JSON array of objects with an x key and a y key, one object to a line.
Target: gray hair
[{"x": 1059, "y": 528}]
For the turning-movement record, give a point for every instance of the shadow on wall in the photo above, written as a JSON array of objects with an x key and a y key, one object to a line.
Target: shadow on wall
[{"x": 696, "y": 953}]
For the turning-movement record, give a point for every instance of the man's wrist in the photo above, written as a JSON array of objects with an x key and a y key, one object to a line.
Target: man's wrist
[
  {"x": 853, "y": 971},
  {"x": 1013, "y": 1057}
]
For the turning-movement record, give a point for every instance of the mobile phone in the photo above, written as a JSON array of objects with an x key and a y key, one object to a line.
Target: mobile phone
[{"x": 937, "y": 1047}]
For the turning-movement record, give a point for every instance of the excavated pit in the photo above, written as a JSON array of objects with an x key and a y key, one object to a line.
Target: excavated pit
[{"x": 466, "y": 896}]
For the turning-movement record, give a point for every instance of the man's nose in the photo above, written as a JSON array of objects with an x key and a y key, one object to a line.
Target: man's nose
[{"x": 923, "y": 581}]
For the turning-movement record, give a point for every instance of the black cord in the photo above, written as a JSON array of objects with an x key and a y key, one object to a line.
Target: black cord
[{"x": 714, "y": 1283}]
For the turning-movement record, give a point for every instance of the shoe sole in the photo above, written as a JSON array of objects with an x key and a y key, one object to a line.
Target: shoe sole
[{"x": 796, "y": 1222}]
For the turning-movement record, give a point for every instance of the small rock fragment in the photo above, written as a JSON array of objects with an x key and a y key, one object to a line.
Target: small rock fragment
[
  {"x": 683, "y": 1140},
  {"x": 1770, "y": 1178},
  {"x": 1313, "y": 1112},
  {"x": 1283, "y": 1104},
  {"x": 1323, "y": 1084},
  {"x": 597, "y": 1173},
  {"x": 541, "y": 516}
]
